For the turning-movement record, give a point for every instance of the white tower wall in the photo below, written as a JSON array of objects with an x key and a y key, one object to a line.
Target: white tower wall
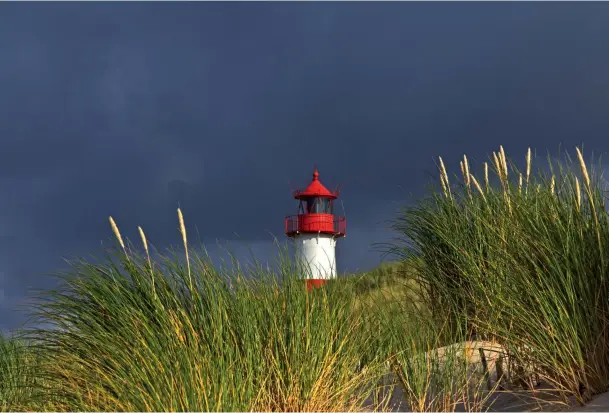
[{"x": 318, "y": 253}]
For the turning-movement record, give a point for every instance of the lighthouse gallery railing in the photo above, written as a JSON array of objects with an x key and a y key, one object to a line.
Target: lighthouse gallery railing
[{"x": 325, "y": 223}]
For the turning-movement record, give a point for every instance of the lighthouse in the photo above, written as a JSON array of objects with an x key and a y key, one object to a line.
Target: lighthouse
[{"x": 315, "y": 230}]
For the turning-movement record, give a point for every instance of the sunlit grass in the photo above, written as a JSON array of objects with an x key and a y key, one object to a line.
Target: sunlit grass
[
  {"x": 515, "y": 261},
  {"x": 133, "y": 333},
  {"x": 14, "y": 386},
  {"x": 179, "y": 334},
  {"x": 525, "y": 261}
]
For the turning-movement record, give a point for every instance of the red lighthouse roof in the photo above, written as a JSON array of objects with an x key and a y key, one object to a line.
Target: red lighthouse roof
[
  {"x": 316, "y": 189},
  {"x": 315, "y": 214}
]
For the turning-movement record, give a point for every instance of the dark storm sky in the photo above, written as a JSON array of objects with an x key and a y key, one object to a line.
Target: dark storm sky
[{"x": 129, "y": 109}]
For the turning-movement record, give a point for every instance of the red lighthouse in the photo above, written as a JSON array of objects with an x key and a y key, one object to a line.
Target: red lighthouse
[{"x": 315, "y": 230}]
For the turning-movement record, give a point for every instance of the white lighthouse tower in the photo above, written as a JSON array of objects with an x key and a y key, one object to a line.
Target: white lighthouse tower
[{"x": 315, "y": 230}]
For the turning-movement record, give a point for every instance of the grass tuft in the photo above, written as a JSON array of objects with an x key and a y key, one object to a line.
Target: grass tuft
[
  {"x": 523, "y": 269},
  {"x": 132, "y": 334}
]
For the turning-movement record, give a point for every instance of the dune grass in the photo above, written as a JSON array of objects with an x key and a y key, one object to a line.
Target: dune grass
[
  {"x": 432, "y": 367},
  {"x": 177, "y": 333},
  {"x": 19, "y": 378},
  {"x": 516, "y": 259},
  {"x": 524, "y": 262},
  {"x": 388, "y": 284}
]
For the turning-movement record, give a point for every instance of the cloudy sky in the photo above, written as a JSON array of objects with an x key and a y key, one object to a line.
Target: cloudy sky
[{"x": 131, "y": 109}]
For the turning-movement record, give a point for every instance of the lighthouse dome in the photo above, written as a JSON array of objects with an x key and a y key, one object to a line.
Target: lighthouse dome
[{"x": 315, "y": 189}]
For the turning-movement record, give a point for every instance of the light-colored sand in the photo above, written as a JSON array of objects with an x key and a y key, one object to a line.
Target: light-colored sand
[
  {"x": 505, "y": 401},
  {"x": 599, "y": 404},
  {"x": 501, "y": 401}
]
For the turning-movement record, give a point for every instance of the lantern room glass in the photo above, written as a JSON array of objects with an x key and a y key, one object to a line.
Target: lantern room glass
[{"x": 319, "y": 205}]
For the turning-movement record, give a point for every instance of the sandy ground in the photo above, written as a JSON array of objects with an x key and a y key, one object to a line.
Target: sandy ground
[
  {"x": 508, "y": 401},
  {"x": 516, "y": 402},
  {"x": 499, "y": 402},
  {"x": 599, "y": 404}
]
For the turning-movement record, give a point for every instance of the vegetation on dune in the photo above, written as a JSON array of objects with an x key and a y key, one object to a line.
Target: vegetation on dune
[
  {"x": 138, "y": 335},
  {"x": 524, "y": 263},
  {"x": 19, "y": 380},
  {"x": 516, "y": 259}
]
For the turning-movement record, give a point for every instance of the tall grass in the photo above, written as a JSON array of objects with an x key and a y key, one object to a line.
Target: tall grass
[
  {"x": 516, "y": 258},
  {"x": 524, "y": 262},
  {"x": 434, "y": 370},
  {"x": 179, "y": 334},
  {"x": 20, "y": 380}
]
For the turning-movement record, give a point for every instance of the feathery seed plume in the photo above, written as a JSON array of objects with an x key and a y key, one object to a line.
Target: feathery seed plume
[
  {"x": 528, "y": 165},
  {"x": 478, "y": 187},
  {"x": 444, "y": 176},
  {"x": 486, "y": 183},
  {"x": 145, "y": 242},
  {"x": 592, "y": 205},
  {"x": 466, "y": 168},
  {"x": 443, "y": 186},
  {"x": 499, "y": 168},
  {"x": 520, "y": 183},
  {"x": 118, "y": 236},
  {"x": 583, "y": 168},
  {"x": 462, "y": 170},
  {"x": 185, "y": 241},
  {"x": 578, "y": 194},
  {"x": 503, "y": 161}
]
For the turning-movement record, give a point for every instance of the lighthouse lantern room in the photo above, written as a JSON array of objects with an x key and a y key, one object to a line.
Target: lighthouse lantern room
[{"x": 315, "y": 230}]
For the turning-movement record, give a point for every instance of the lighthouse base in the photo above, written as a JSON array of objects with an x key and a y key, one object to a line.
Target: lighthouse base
[{"x": 315, "y": 284}]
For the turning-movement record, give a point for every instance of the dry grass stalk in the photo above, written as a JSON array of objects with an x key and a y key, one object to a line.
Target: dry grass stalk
[
  {"x": 588, "y": 186},
  {"x": 462, "y": 170},
  {"x": 118, "y": 236},
  {"x": 505, "y": 173},
  {"x": 465, "y": 172},
  {"x": 444, "y": 179},
  {"x": 578, "y": 198},
  {"x": 185, "y": 241},
  {"x": 584, "y": 169},
  {"x": 502, "y": 172},
  {"x": 552, "y": 184},
  {"x": 478, "y": 187},
  {"x": 444, "y": 189},
  {"x": 520, "y": 184},
  {"x": 498, "y": 167},
  {"x": 145, "y": 243},
  {"x": 466, "y": 168},
  {"x": 528, "y": 165},
  {"x": 503, "y": 161},
  {"x": 486, "y": 183}
]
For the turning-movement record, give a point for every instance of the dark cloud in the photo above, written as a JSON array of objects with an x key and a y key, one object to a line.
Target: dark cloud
[{"x": 131, "y": 109}]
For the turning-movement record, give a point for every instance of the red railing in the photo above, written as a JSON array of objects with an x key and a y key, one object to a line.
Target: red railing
[{"x": 324, "y": 223}]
